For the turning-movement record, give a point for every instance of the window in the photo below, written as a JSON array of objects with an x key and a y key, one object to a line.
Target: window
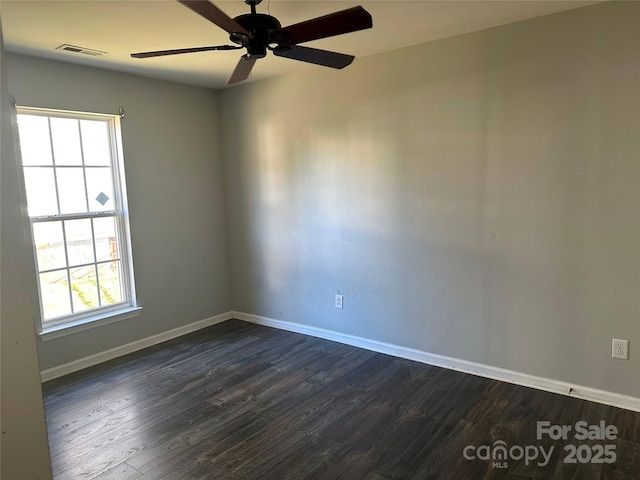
[{"x": 76, "y": 199}]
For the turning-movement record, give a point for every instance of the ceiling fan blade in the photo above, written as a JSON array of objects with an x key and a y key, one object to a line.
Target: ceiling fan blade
[
  {"x": 161, "y": 53},
  {"x": 242, "y": 70},
  {"x": 345, "y": 21},
  {"x": 314, "y": 55},
  {"x": 215, "y": 15}
]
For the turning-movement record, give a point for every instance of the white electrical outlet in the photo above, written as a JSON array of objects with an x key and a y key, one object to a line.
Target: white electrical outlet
[
  {"x": 340, "y": 301},
  {"x": 620, "y": 349}
]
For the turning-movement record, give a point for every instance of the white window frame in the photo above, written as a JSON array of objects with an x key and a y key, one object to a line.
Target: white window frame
[{"x": 128, "y": 307}]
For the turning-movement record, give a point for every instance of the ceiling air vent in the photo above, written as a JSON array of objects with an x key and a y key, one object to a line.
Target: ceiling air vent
[{"x": 84, "y": 51}]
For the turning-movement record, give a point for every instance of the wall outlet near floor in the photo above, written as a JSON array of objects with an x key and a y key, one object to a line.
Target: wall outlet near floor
[
  {"x": 620, "y": 349},
  {"x": 340, "y": 301}
]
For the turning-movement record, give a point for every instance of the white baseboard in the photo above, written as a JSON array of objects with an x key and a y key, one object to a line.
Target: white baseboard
[
  {"x": 91, "y": 360},
  {"x": 488, "y": 371}
]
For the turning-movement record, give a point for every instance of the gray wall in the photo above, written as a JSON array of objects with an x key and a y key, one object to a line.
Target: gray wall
[
  {"x": 25, "y": 455},
  {"x": 476, "y": 197},
  {"x": 176, "y": 198}
]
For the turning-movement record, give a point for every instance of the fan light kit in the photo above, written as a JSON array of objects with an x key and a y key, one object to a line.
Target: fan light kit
[{"x": 257, "y": 33}]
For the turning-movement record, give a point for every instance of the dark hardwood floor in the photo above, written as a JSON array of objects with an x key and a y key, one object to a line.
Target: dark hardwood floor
[{"x": 240, "y": 401}]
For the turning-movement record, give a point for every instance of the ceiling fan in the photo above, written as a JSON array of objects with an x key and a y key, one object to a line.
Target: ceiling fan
[{"x": 258, "y": 32}]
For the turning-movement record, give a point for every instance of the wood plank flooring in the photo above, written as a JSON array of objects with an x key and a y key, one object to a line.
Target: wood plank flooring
[{"x": 241, "y": 401}]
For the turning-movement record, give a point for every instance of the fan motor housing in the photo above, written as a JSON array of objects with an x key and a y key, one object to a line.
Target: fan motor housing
[{"x": 260, "y": 26}]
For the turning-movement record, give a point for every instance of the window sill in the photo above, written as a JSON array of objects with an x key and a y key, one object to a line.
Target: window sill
[{"x": 88, "y": 323}]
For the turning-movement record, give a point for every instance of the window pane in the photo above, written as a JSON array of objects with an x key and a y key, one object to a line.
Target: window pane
[
  {"x": 69, "y": 161},
  {"x": 110, "y": 283},
  {"x": 104, "y": 230},
  {"x": 54, "y": 290},
  {"x": 66, "y": 141},
  {"x": 41, "y": 191},
  {"x": 71, "y": 190},
  {"x": 79, "y": 241},
  {"x": 49, "y": 243},
  {"x": 96, "y": 145},
  {"x": 100, "y": 189},
  {"x": 35, "y": 143},
  {"x": 84, "y": 289}
]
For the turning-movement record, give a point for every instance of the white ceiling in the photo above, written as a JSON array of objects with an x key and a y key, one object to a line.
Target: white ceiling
[{"x": 124, "y": 27}]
